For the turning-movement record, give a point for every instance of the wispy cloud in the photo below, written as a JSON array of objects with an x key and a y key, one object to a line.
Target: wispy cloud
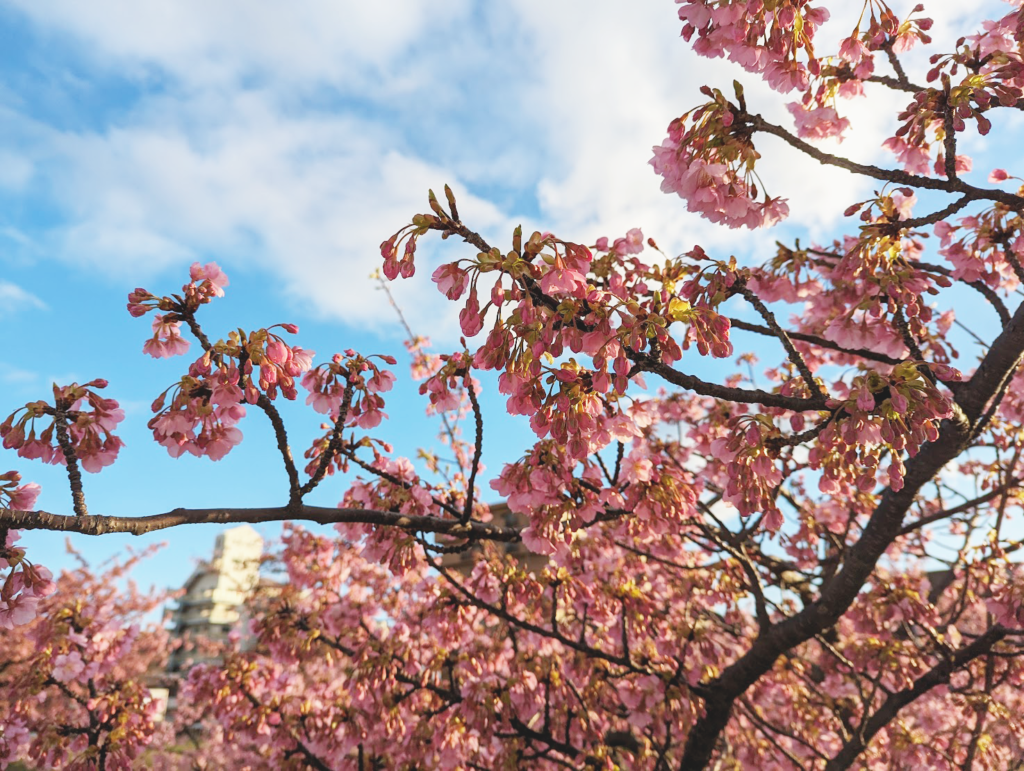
[
  {"x": 15, "y": 171},
  {"x": 14, "y": 299},
  {"x": 16, "y": 376}
]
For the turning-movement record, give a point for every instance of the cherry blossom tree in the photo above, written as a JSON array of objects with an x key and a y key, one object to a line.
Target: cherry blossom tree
[{"x": 813, "y": 574}]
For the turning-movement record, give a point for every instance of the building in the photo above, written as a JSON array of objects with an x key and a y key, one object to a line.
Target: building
[{"x": 213, "y": 596}]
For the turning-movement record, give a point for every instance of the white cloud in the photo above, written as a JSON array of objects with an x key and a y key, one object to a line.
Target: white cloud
[
  {"x": 202, "y": 43},
  {"x": 307, "y": 198},
  {"x": 15, "y": 171},
  {"x": 16, "y": 236},
  {"x": 16, "y": 376},
  {"x": 14, "y": 299},
  {"x": 616, "y": 84},
  {"x": 297, "y": 137}
]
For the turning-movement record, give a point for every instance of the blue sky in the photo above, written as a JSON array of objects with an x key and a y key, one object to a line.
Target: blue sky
[{"x": 286, "y": 141}]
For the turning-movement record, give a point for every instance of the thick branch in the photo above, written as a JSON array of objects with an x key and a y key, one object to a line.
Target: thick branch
[
  {"x": 901, "y": 76},
  {"x": 99, "y": 524}
]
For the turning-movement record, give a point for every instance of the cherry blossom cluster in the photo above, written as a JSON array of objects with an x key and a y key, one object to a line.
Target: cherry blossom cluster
[
  {"x": 993, "y": 74},
  {"x": 279, "y": 363},
  {"x": 348, "y": 389},
  {"x": 207, "y": 282},
  {"x": 167, "y": 340},
  {"x": 199, "y": 414},
  {"x": 705, "y": 287},
  {"x": 404, "y": 264},
  {"x": 982, "y": 247},
  {"x": 422, "y": 364},
  {"x": 843, "y": 75},
  {"x": 395, "y": 487},
  {"x": 752, "y": 472},
  {"x": 444, "y": 388},
  {"x": 767, "y": 44},
  {"x": 882, "y": 418},
  {"x": 769, "y": 40},
  {"x": 89, "y": 420},
  {"x": 363, "y": 378},
  {"x": 22, "y": 583},
  {"x": 711, "y": 167}
]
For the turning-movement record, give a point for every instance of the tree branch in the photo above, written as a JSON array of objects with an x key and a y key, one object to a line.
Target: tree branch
[
  {"x": 757, "y": 123},
  {"x": 648, "y": 363},
  {"x": 895, "y": 702},
  {"x": 780, "y": 333},
  {"x": 963, "y": 507},
  {"x": 99, "y": 525},
  {"x": 60, "y": 422},
  {"x": 478, "y": 420},
  {"x": 821, "y": 342},
  {"x": 334, "y": 444},
  {"x": 294, "y": 491}
]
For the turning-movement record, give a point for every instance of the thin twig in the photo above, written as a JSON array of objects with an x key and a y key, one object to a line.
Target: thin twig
[
  {"x": 333, "y": 445},
  {"x": 816, "y": 340},
  {"x": 268, "y": 407},
  {"x": 791, "y": 351},
  {"x": 963, "y": 507}
]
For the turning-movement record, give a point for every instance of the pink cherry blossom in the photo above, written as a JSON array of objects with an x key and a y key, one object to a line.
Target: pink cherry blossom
[{"x": 211, "y": 275}]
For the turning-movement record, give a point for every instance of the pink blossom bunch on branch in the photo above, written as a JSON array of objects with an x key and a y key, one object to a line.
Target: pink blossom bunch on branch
[
  {"x": 808, "y": 566},
  {"x": 24, "y": 584}
]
